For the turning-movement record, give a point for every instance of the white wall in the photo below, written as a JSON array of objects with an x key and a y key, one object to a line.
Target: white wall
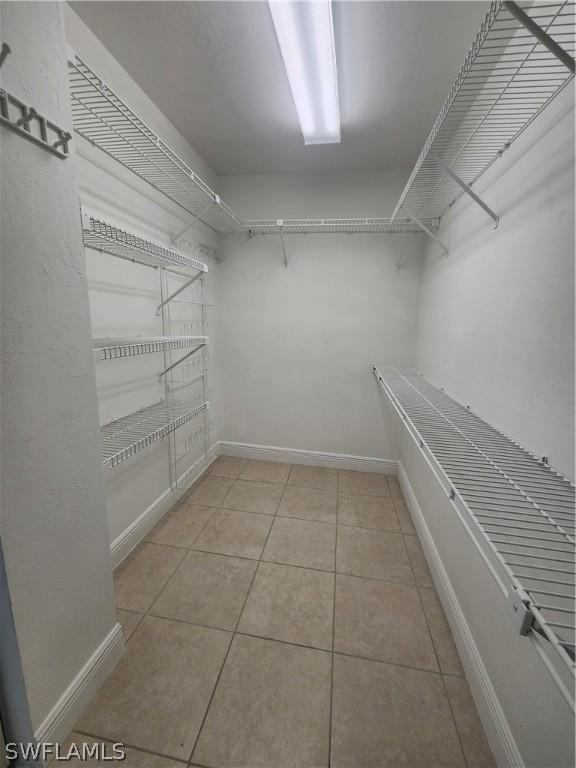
[
  {"x": 496, "y": 324},
  {"x": 296, "y": 346},
  {"x": 124, "y": 296},
  {"x": 53, "y": 527}
]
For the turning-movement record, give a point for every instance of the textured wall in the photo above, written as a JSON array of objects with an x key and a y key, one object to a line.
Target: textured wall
[{"x": 53, "y": 525}]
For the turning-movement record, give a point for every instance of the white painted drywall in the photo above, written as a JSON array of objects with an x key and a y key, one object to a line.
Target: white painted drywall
[
  {"x": 496, "y": 323},
  {"x": 124, "y": 296},
  {"x": 296, "y": 345},
  {"x": 54, "y": 531}
]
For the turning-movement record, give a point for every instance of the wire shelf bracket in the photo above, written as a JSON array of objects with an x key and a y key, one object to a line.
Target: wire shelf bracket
[
  {"x": 106, "y": 238},
  {"x": 518, "y": 510},
  {"x": 520, "y": 60},
  {"x": 28, "y": 123},
  {"x": 426, "y": 229},
  {"x": 177, "y": 292},
  {"x": 181, "y": 359},
  {"x": 469, "y": 191},
  {"x": 124, "y": 437}
]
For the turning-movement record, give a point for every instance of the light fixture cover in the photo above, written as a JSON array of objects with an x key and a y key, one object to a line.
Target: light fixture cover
[{"x": 305, "y": 33}]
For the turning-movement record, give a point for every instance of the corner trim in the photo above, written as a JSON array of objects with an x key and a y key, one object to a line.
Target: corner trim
[
  {"x": 309, "y": 458},
  {"x": 489, "y": 708},
  {"x": 123, "y": 544},
  {"x": 71, "y": 705}
]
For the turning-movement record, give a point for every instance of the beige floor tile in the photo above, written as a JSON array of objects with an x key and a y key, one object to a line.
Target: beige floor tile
[
  {"x": 134, "y": 757},
  {"x": 181, "y": 526},
  {"x": 395, "y": 488},
  {"x": 369, "y": 483},
  {"x": 266, "y": 471},
  {"x": 374, "y": 554},
  {"x": 474, "y": 742},
  {"x": 367, "y": 512},
  {"x": 227, "y": 466},
  {"x": 206, "y": 589},
  {"x": 382, "y": 621},
  {"x": 301, "y": 542},
  {"x": 144, "y": 574},
  {"x": 419, "y": 564},
  {"x": 290, "y": 604},
  {"x": 271, "y": 708},
  {"x": 129, "y": 621},
  {"x": 404, "y": 517},
  {"x": 444, "y": 644},
  {"x": 386, "y": 716},
  {"x": 308, "y": 504},
  {"x": 313, "y": 477},
  {"x": 156, "y": 697},
  {"x": 228, "y": 532},
  {"x": 210, "y": 491},
  {"x": 249, "y": 496}
]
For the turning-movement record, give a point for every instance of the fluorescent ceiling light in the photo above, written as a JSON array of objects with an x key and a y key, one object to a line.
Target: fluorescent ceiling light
[{"x": 306, "y": 35}]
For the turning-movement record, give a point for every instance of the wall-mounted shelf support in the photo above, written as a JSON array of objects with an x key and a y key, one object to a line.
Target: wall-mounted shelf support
[
  {"x": 540, "y": 35},
  {"x": 4, "y": 51},
  {"x": 468, "y": 190},
  {"x": 425, "y": 229},
  {"x": 195, "y": 218},
  {"x": 181, "y": 360},
  {"x": 282, "y": 243},
  {"x": 177, "y": 292}
]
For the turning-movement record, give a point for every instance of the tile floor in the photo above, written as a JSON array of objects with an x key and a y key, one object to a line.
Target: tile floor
[{"x": 285, "y": 616}]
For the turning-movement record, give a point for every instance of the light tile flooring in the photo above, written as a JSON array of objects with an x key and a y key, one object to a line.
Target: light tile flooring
[{"x": 285, "y": 616}]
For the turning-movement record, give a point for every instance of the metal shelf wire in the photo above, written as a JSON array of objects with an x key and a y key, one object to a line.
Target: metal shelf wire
[
  {"x": 116, "y": 348},
  {"x": 507, "y": 79},
  {"x": 524, "y": 509},
  {"x": 335, "y": 226},
  {"x": 107, "y": 122},
  {"x": 106, "y": 238},
  {"x": 123, "y": 438}
]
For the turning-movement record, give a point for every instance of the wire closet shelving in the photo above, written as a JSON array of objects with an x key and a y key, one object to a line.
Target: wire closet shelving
[
  {"x": 522, "y": 509},
  {"x": 116, "y": 348},
  {"x": 107, "y": 122},
  {"x": 507, "y": 79},
  {"x": 334, "y": 226},
  {"x": 122, "y": 438}
]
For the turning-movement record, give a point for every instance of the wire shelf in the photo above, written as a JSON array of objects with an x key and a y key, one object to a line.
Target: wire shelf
[
  {"x": 334, "y": 226},
  {"x": 524, "y": 509},
  {"x": 115, "y": 348},
  {"x": 123, "y": 438},
  {"x": 108, "y": 123},
  {"x": 106, "y": 238},
  {"x": 507, "y": 79}
]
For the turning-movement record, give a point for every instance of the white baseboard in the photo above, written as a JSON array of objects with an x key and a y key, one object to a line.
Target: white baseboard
[
  {"x": 71, "y": 705},
  {"x": 489, "y": 708},
  {"x": 309, "y": 458},
  {"x": 133, "y": 535}
]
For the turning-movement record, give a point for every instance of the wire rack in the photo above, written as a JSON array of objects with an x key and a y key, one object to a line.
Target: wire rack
[
  {"x": 106, "y": 238},
  {"x": 123, "y": 438},
  {"x": 334, "y": 226},
  {"x": 507, "y": 79},
  {"x": 115, "y": 348},
  {"x": 524, "y": 509},
  {"x": 108, "y": 123}
]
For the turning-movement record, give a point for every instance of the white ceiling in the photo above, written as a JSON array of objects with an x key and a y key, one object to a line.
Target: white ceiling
[{"x": 214, "y": 69}]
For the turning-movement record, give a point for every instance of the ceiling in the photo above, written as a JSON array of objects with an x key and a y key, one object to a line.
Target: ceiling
[{"x": 214, "y": 69}]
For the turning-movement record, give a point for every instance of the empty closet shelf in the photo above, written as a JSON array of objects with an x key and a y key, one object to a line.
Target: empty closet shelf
[
  {"x": 130, "y": 434},
  {"x": 109, "y": 124},
  {"x": 507, "y": 79},
  {"x": 106, "y": 238},
  {"x": 522, "y": 511},
  {"x": 335, "y": 226},
  {"x": 115, "y": 348}
]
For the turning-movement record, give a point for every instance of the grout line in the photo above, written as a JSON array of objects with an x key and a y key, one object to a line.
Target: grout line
[
  {"x": 129, "y": 746},
  {"x": 331, "y": 703}
]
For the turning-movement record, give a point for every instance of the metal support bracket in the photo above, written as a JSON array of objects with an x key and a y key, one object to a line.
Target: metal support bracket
[
  {"x": 424, "y": 228},
  {"x": 173, "y": 295},
  {"x": 4, "y": 51},
  {"x": 467, "y": 189},
  {"x": 181, "y": 360},
  {"x": 400, "y": 257},
  {"x": 519, "y": 607},
  {"x": 196, "y": 217},
  {"x": 280, "y": 224},
  {"x": 540, "y": 35}
]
